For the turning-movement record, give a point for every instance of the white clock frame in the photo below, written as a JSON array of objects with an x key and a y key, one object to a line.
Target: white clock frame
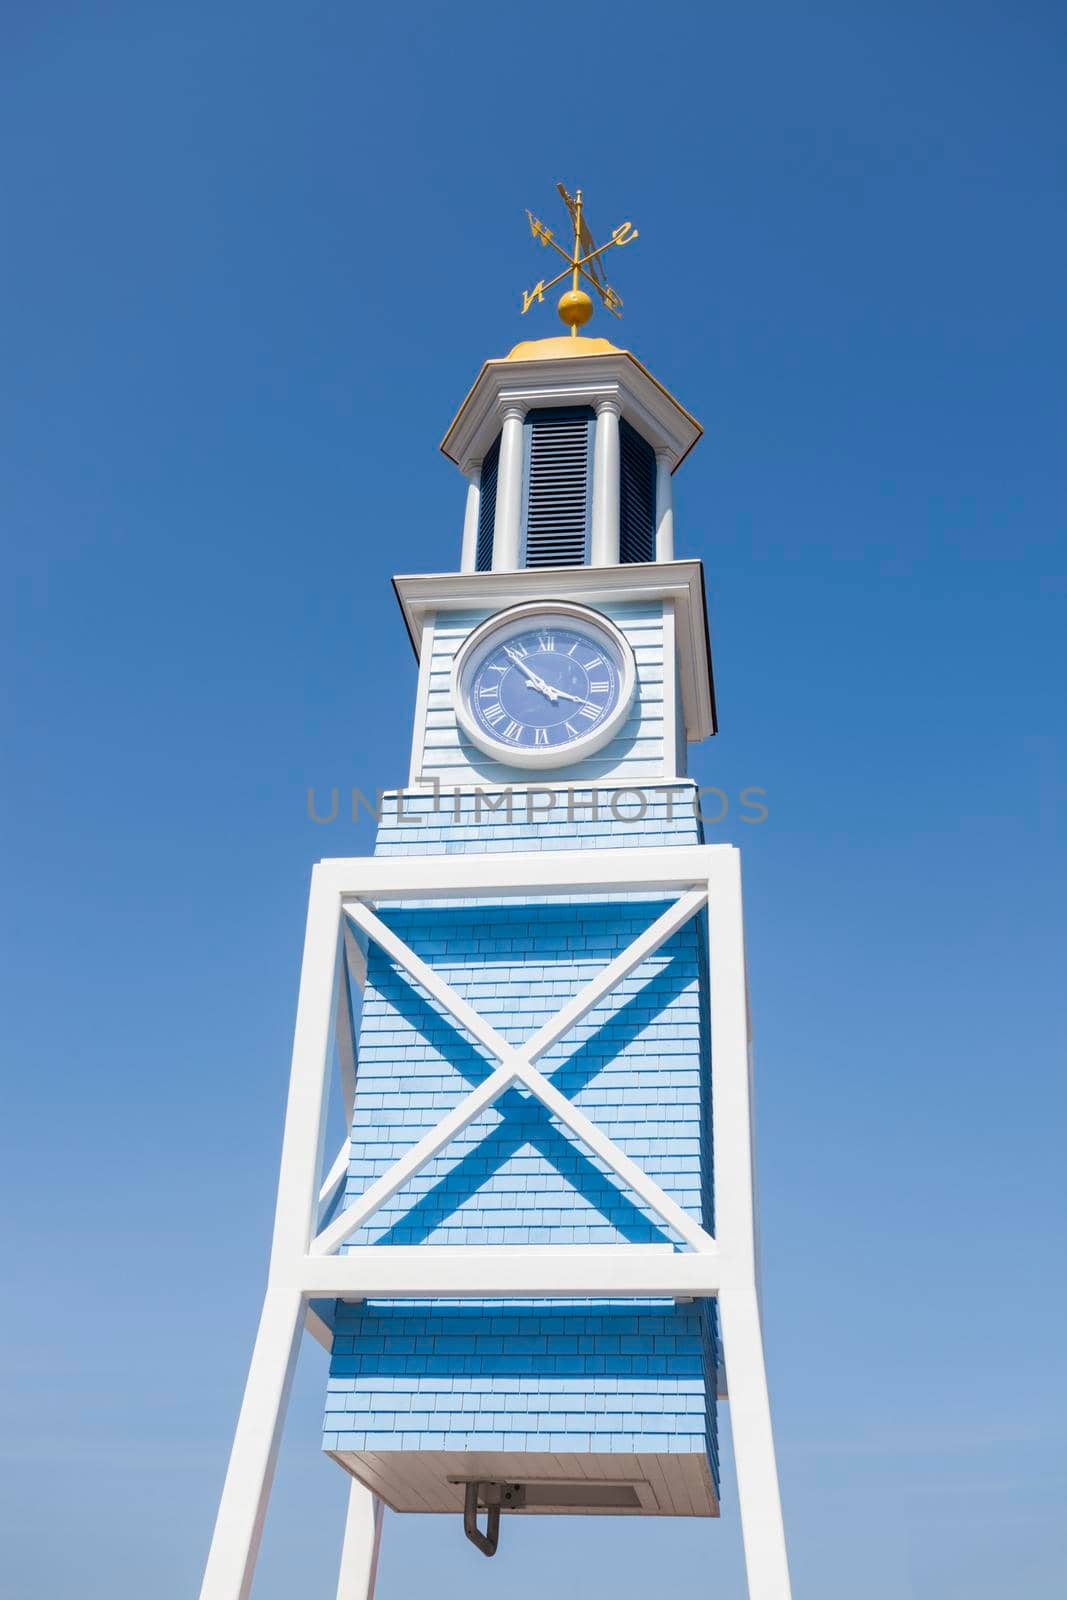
[{"x": 517, "y": 619}]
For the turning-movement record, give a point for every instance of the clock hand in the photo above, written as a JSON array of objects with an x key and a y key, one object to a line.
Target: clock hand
[
  {"x": 562, "y": 694},
  {"x": 538, "y": 683}
]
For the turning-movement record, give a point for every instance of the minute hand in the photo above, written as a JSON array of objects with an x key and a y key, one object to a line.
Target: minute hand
[{"x": 538, "y": 683}]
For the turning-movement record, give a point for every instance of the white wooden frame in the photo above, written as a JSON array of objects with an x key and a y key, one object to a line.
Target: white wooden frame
[{"x": 305, "y": 1264}]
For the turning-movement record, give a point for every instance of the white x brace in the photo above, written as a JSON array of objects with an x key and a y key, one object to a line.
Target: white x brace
[{"x": 515, "y": 1067}]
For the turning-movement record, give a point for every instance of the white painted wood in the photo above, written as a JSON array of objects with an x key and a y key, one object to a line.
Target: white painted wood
[
  {"x": 516, "y": 1272},
  {"x": 469, "y": 555},
  {"x": 402, "y": 1171},
  {"x": 334, "y": 1178},
  {"x": 730, "y": 1087},
  {"x": 297, "y": 1212},
  {"x": 609, "y": 978},
  {"x": 620, "y": 1163},
  {"x": 664, "y": 506},
  {"x": 345, "y": 1034},
  {"x": 318, "y": 1329},
  {"x": 571, "y": 872},
  {"x": 762, "y": 1529},
  {"x": 362, "y": 1542},
  {"x": 242, "y": 1509},
  {"x": 673, "y": 721},
  {"x": 616, "y": 375},
  {"x": 507, "y": 525},
  {"x": 604, "y": 541},
  {"x": 422, "y": 701},
  {"x": 435, "y": 986}
]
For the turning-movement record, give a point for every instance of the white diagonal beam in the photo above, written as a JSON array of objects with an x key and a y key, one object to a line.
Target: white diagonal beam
[
  {"x": 335, "y": 1178},
  {"x": 435, "y": 986},
  {"x": 645, "y": 945},
  {"x": 620, "y": 1163},
  {"x": 471, "y": 1106}
]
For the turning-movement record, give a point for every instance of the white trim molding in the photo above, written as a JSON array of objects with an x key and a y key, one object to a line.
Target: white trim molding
[{"x": 571, "y": 381}]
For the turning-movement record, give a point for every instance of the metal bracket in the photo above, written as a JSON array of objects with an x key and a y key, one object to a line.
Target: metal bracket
[{"x": 496, "y": 1497}]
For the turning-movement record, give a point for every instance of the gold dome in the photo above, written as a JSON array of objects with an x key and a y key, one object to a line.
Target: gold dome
[{"x": 563, "y": 344}]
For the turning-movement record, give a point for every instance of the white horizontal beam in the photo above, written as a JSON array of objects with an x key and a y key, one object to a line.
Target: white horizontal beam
[
  {"x": 431, "y": 1271},
  {"x": 560, "y": 872}
]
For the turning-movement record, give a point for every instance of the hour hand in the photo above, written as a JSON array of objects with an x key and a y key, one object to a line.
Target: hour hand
[{"x": 563, "y": 695}]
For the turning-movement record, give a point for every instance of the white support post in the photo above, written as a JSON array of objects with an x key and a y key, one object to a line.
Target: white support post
[
  {"x": 362, "y": 1542},
  {"x": 664, "y": 506},
  {"x": 750, "y": 1416},
  {"x": 469, "y": 557},
  {"x": 231, "y": 1560},
  {"x": 762, "y": 1528},
  {"x": 604, "y": 545},
  {"x": 235, "y": 1542},
  {"x": 507, "y": 524}
]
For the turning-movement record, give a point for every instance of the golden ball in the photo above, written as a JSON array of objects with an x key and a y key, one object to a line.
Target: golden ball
[{"x": 575, "y": 308}]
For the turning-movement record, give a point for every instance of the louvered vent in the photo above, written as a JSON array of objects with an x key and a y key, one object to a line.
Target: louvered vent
[
  {"x": 483, "y": 559},
  {"x": 637, "y": 496},
  {"x": 558, "y": 486}
]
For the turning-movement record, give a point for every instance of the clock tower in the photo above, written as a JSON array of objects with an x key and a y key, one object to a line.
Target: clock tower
[{"x": 533, "y": 1260}]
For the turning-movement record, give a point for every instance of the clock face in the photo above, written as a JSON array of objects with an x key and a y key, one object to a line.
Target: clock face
[{"x": 540, "y": 688}]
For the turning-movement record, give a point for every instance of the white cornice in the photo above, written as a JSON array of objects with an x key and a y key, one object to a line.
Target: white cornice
[
  {"x": 579, "y": 380},
  {"x": 422, "y": 594}
]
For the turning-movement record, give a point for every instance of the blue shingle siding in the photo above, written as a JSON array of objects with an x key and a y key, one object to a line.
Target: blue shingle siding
[
  {"x": 606, "y": 1377},
  {"x": 637, "y": 750},
  {"x": 465, "y": 822},
  {"x": 524, "y": 1375}
]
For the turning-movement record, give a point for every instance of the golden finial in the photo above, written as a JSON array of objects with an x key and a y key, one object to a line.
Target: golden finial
[{"x": 575, "y": 305}]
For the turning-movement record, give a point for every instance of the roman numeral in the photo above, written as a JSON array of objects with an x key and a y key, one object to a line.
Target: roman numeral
[
  {"x": 572, "y": 649},
  {"x": 573, "y": 731},
  {"x": 514, "y": 730},
  {"x": 546, "y": 641},
  {"x": 540, "y": 736},
  {"x": 519, "y": 649},
  {"x": 596, "y": 662},
  {"x": 590, "y": 711},
  {"x": 600, "y": 687},
  {"x": 490, "y": 692},
  {"x": 494, "y": 714}
]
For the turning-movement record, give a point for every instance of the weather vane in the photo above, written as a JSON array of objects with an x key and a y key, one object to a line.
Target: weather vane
[{"x": 575, "y": 305}]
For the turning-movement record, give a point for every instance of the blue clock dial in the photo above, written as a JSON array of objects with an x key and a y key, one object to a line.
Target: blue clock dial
[{"x": 543, "y": 688}]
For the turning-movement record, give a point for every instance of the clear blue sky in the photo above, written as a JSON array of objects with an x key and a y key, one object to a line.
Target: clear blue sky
[{"x": 254, "y": 255}]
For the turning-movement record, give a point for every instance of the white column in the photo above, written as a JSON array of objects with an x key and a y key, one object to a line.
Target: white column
[
  {"x": 508, "y": 523},
  {"x": 664, "y": 507},
  {"x": 469, "y": 559},
  {"x": 762, "y": 1531},
  {"x": 235, "y": 1542},
  {"x": 231, "y": 1560},
  {"x": 604, "y": 550},
  {"x": 363, "y": 1537}
]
